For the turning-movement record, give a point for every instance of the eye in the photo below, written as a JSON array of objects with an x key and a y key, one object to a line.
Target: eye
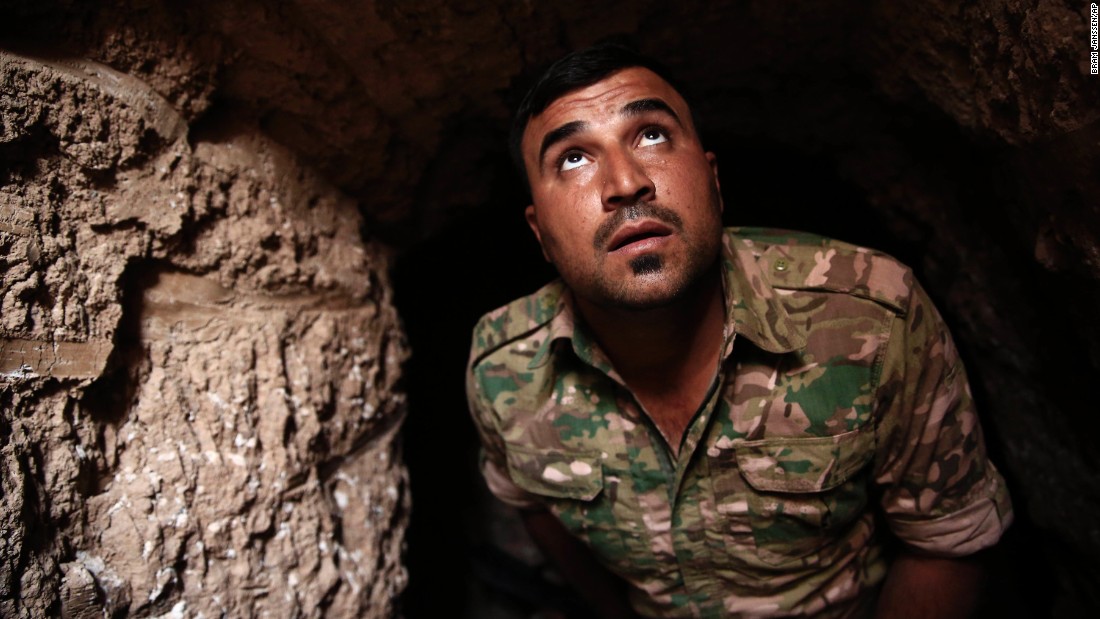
[
  {"x": 572, "y": 159},
  {"x": 653, "y": 135}
]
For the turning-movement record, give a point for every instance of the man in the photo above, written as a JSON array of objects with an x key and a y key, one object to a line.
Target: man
[{"x": 737, "y": 423}]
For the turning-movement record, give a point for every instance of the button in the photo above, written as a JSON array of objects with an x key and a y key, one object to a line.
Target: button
[{"x": 781, "y": 265}]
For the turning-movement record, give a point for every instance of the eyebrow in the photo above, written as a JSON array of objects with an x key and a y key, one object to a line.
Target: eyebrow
[
  {"x": 634, "y": 108},
  {"x": 642, "y": 106},
  {"x": 561, "y": 133}
]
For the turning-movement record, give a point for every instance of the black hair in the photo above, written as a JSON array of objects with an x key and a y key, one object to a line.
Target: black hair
[{"x": 572, "y": 72}]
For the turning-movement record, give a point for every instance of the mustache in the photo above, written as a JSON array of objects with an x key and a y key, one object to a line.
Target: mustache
[{"x": 647, "y": 210}]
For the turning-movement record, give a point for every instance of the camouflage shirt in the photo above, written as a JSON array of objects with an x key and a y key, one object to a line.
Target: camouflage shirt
[{"x": 840, "y": 406}]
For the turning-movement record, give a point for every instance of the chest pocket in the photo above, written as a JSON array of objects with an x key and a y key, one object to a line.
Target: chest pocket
[
  {"x": 576, "y": 488},
  {"x": 802, "y": 493},
  {"x": 556, "y": 474}
]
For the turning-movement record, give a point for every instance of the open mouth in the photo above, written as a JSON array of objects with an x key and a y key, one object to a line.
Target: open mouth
[{"x": 636, "y": 233}]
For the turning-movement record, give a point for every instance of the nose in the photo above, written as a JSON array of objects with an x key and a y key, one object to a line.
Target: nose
[{"x": 625, "y": 181}]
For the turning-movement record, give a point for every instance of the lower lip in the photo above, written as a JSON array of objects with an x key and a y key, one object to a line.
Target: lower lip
[{"x": 645, "y": 245}]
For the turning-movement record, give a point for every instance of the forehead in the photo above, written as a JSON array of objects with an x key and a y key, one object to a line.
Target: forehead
[{"x": 602, "y": 102}]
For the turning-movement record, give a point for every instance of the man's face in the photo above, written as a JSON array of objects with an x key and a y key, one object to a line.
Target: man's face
[{"x": 625, "y": 201}]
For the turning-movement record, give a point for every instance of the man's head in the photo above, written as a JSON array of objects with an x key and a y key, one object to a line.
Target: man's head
[
  {"x": 625, "y": 201},
  {"x": 572, "y": 72}
]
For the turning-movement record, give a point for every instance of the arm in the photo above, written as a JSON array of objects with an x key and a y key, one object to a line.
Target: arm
[
  {"x": 919, "y": 587},
  {"x": 942, "y": 497},
  {"x": 604, "y": 591}
]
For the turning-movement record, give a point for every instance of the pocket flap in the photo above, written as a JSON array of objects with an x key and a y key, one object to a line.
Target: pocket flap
[
  {"x": 804, "y": 464},
  {"x": 563, "y": 475}
]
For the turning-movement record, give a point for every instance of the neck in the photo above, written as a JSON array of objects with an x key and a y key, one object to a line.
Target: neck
[{"x": 666, "y": 342}]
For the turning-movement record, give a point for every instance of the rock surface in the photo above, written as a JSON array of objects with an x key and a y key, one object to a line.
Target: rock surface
[{"x": 199, "y": 359}]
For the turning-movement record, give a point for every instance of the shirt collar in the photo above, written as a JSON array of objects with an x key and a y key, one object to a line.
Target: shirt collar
[
  {"x": 563, "y": 327},
  {"x": 753, "y": 310},
  {"x": 752, "y": 304}
]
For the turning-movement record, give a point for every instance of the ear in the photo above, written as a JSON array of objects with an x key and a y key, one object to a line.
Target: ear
[
  {"x": 712, "y": 159},
  {"x": 533, "y": 223}
]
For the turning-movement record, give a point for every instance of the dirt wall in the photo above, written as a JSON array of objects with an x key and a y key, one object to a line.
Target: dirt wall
[{"x": 198, "y": 357}]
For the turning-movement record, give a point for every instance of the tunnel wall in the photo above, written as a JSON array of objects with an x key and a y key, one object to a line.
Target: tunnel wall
[{"x": 199, "y": 359}]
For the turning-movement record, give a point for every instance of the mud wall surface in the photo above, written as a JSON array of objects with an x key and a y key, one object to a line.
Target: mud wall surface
[
  {"x": 198, "y": 355},
  {"x": 201, "y": 205}
]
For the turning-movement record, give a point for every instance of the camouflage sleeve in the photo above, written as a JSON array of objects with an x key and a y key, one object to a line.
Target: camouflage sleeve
[
  {"x": 494, "y": 463},
  {"x": 940, "y": 493}
]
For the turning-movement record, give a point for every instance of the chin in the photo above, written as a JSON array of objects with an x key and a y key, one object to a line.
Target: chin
[{"x": 640, "y": 294}]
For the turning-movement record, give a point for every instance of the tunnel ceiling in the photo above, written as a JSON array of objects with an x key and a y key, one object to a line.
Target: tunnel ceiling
[{"x": 403, "y": 104}]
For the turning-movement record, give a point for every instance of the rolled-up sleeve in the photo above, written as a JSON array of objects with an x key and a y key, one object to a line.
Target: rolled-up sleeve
[{"x": 941, "y": 495}]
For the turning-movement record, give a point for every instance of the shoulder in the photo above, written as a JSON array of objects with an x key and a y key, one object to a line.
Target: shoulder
[
  {"x": 792, "y": 260},
  {"x": 517, "y": 320}
]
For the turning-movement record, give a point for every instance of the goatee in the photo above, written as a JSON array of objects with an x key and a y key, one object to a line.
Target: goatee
[{"x": 647, "y": 264}]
